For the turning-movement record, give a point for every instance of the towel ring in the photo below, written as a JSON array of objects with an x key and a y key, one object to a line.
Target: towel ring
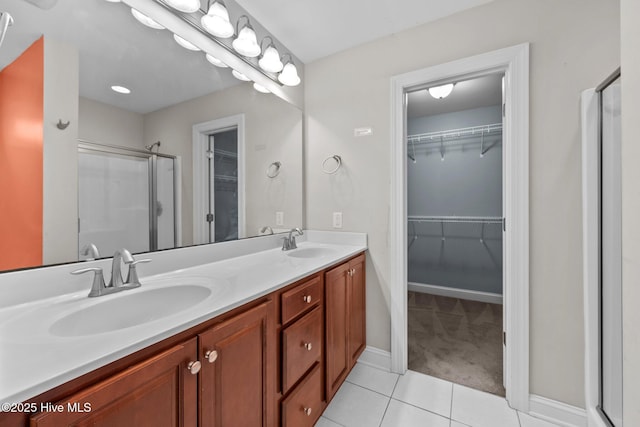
[
  {"x": 273, "y": 169},
  {"x": 338, "y": 160}
]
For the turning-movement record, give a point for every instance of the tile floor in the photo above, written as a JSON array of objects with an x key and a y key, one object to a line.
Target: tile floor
[{"x": 371, "y": 397}]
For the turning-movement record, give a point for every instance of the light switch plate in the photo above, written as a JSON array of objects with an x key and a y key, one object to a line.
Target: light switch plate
[
  {"x": 337, "y": 220},
  {"x": 279, "y": 218}
]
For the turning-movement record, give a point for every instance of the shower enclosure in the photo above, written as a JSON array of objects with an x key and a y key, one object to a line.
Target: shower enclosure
[{"x": 126, "y": 198}]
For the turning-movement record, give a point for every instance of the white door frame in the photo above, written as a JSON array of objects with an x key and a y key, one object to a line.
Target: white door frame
[
  {"x": 201, "y": 132},
  {"x": 514, "y": 62}
]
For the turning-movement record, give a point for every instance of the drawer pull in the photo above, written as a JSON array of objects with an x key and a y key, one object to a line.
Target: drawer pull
[
  {"x": 307, "y": 411},
  {"x": 211, "y": 356},
  {"x": 194, "y": 367},
  {"x": 308, "y": 346},
  {"x": 307, "y": 299}
]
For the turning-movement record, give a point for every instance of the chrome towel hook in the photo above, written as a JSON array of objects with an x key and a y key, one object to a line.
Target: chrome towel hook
[{"x": 338, "y": 161}]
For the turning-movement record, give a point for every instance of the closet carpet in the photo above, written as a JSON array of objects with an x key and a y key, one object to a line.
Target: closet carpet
[{"x": 456, "y": 340}]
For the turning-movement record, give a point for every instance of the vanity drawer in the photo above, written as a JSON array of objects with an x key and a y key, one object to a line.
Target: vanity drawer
[
  {"x": 301, "y": 298},
  {"x": 303, "y": 406},
  {"x": 301, "y": 347}
]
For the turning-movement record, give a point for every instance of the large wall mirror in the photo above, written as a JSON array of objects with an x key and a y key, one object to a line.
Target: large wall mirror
[{"x": 114, "y": 135}]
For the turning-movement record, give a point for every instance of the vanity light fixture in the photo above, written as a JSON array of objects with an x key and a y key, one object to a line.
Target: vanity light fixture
[
  {"x": 246, "y": 42},
  {"x": 215, "y": 61},
  {"x": 121, "y": 89},
  {"x": 185, "y": 43},
  {"x": 186, "y": 6},
  {"x": 441, "y": 92},
  {"x": 238, "y": 75},
  {"x": 216, "y": 21},
  {"x": 261, "y": 88},
  {"x": 145, "y": 20},
  {"x": 289, "y": 75},
  {"x": 270, "y": 60}
]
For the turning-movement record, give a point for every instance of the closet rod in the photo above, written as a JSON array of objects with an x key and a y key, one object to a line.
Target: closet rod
[
  {"x": 458, "y": 219},
  {"x": 453, "y": 134}
]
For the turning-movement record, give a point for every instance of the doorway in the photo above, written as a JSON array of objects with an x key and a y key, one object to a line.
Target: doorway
[{"x": 514, "y": 63}]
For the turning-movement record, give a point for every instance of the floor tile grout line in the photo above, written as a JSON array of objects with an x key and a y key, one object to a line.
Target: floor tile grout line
[
  {"x": 335, "y": 422},
  {"x": 418, "y": 407},
  {"x": 451, "y": 403},
  {"x": 385, "y": 412},
  {"x": 518, "y": 417},
  {"x": 367, "y": 388}
]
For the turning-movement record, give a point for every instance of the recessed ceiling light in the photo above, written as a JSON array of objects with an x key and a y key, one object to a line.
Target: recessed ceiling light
[
  {"x": 238, "y": 75},
  {"x": 121, "y": 89},
  {"x": 185, "y": 43},
  {"x": 215, "y": 61},
  {"x": 261, "y": 88},
  {"x": 145, "y": 20}
]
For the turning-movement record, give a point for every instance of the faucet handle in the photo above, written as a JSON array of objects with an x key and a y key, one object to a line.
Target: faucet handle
[
  {"x": 98, "y": 285},
  {"x": 132, "y": 275}
]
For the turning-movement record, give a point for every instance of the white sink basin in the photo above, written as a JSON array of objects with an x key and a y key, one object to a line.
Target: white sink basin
[
  {"x": 309, "y": 252},
  {"x": 129, "y": 310}
]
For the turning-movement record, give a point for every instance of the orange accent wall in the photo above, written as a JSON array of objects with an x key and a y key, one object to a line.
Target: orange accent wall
[{"x": 21, "y": 153}]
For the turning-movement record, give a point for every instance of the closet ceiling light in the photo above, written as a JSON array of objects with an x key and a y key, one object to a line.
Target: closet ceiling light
[
  {"x": 246, "y": 43},
  {"x": 440, "y": 92},
  {"x": 270, "y": 60},
  {"x": 289, "y": 75},
  {"x": 145, "y": 20},
  {"x": 238, "y": 75},
  {"x": 185, "y": 43},
  {"x": 261, "y": 88},
  {"x": 186, "y": 6},
  {"x": 215, "y": 61},
  {"x": 216, "y": 21}
]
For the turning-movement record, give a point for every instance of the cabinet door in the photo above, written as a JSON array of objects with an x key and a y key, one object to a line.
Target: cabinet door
[
  {"x": 234, "y": 386},
  {"x": 160, "y": 391},
  {"x": 336, "y": 349},
  {"x": 357, "y": 313}
]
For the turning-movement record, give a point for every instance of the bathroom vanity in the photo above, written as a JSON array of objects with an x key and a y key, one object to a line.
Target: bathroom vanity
[{"x": 269, "y": 345}]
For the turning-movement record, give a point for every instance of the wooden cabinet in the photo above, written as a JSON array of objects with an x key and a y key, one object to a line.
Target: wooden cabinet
[
  {"x": 345, "y": 320},
  {"x": 304, "y": 405},
  {"x": 161, "y": 391},
  {"x": 236, "y": 381}
]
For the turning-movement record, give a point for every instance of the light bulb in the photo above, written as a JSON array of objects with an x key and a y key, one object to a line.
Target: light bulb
[
  {"x": 215, "y": 61},
  {"x": 246, "y": 43},
  {"x": 186, "y": 6},
  {"x": 261, "y": 88},
  {"x": 289, "y": 75},
  {"x": 145, "y": 20},
  {"x": 440, "y": 92},
  {"x": 185, "y": 43},
  {"x": 270, "y": 60},
  {"x": 238, "y": 75},
  {"x": 216, "y": 21}
]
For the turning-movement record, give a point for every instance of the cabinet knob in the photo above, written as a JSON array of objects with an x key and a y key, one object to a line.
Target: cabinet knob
[
  {"x": 307, "y": 411},
  {"x": 211, "y": 356},
  {"x": 308, "y": 346},
  {"x": 194, "y": 367},
  {"x": 307, "y": 299}
]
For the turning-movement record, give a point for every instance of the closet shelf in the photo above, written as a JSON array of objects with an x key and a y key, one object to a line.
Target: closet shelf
[
  {"x": 458, "y": 219},
  {"x": 455, "y": 134},
  {"x": 225, "y": 153},
  {"x": 225, "y": 178}
]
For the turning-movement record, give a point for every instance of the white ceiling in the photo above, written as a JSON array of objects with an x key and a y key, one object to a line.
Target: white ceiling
[
  {"x": 315, "y": 29},
  {"x": 475, "y": 93}
]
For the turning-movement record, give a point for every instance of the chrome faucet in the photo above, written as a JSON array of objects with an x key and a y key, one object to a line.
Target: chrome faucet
[
  {"x": 265, "y": 229},
  {"x": 91, "y": 251},
  {"x": 289, "y": 242},
  {"x": 116, "y": 284}
]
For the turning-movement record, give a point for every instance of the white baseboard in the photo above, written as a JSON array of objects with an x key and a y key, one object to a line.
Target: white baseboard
[
  {"x": 376, "y": 358},
  {"x": 557, "y": 412},
  {"x": 455, "y": 293}
]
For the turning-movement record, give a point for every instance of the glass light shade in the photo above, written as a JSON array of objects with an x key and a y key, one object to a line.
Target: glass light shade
[
  {"x": 215, "y": 61},
  {"x": 145, "y": 20},
  {"x": 186, "y": 6},
  {"x": 216, "y": 21},
  {"x": 270, "y": 60},
  {"x": 247, "y": 43},
  {"x": 185, "y": 43},
  {"x": 440, "y": 92},
  {"x": 289, "y": 75},
  {"x": 261, "y": 88},
  {"x": 238, "y": 75}
]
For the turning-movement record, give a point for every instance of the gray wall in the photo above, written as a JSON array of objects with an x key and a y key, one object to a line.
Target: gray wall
[{"x": 464, "y": 184}]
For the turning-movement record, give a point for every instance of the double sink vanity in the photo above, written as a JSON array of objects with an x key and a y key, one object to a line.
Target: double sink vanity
[{"x": 236, "y": 334}]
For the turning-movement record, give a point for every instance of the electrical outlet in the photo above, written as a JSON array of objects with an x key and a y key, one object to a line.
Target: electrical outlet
[
  {"x": 337, "y": 220},
  {"x": 279, "y": 218}
]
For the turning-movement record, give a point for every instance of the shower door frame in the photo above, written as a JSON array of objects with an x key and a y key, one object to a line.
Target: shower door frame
[
  {"x": 85, "y": 146},
  {"x": 514, "y": 63}
]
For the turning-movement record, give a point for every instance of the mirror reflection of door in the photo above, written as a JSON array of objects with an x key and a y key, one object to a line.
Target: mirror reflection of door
[{"x": 222, "y": 215}]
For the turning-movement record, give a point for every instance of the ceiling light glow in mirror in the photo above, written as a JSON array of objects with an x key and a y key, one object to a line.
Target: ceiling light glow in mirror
[
  {"x": 215, "y": 61},
  {"x": 238, "y": 75},
  {"x": 216, "y": 21},
  {"x": 261, "y": 88},
  {"x": 185, "y": 43},
  {"x": 186, "y": 6},
  {"x": 145, "y": 20}
]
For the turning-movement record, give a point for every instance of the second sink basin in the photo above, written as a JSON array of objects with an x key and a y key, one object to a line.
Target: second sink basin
[
  {"x": 309, "y": 252},
  {"x": 129, "y": 310}
]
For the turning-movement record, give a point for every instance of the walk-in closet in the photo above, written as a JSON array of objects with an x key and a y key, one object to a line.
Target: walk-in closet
[{"x": 454, "y": 225}]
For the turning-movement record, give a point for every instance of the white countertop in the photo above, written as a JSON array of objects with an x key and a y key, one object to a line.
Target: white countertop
[{"x": 33, "y": 360}]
